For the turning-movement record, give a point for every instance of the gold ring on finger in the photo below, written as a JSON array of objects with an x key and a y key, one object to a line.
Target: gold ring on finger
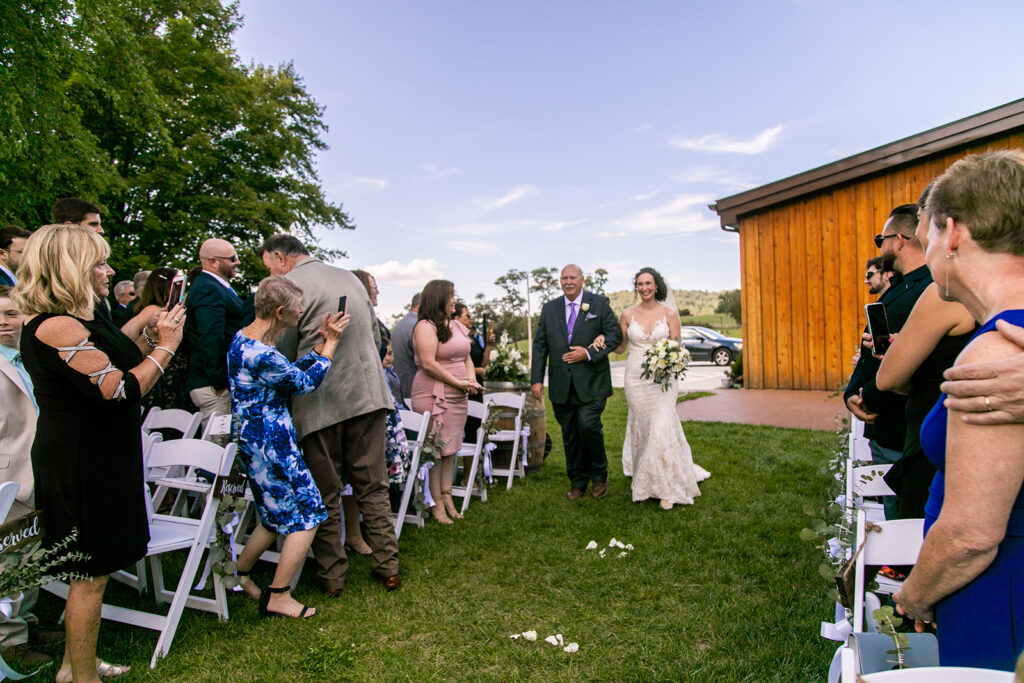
[{"x": 988, "y": 406}]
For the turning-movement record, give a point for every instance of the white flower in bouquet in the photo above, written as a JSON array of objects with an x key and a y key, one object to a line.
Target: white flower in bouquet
[{"x": 665, "y": 362}]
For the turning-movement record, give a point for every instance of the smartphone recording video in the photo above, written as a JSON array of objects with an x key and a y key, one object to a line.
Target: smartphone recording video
[{"x": 878, "y": 328}]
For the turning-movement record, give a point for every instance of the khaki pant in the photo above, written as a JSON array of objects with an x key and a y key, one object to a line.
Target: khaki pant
[
  {"x": 352, "y": 451},
  {"x": 14, "y": 630},
  {"x": 209, "y": 402}
]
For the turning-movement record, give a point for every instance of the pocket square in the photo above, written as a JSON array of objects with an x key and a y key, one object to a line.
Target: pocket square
[{"x": 590, "y": 316}]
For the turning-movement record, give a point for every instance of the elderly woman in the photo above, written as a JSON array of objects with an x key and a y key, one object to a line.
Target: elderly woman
[
  {"x": 444, "y": 377},
  {"x": 87, "y": 455},
  {"x": 969, "y": 574},
  {"x": 261, "y": 381}
]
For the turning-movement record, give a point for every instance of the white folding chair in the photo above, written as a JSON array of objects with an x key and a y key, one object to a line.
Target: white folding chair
[
  {"x": 415, "y": 423},
  {"x": 937, "y": 674},
  {"x": 472, "y": 450},
  {"x": 218, "y": 428},
  {"x": 864, "y": 481},
  {"x": 898, "y": 543},
  {"x": 8, "y": 492},
  {"x": 138, "y": 580},
  {"x": 172, "y": 418},
  {"x": 511, "y": 403},
  {"x": 170, "y": 532}
]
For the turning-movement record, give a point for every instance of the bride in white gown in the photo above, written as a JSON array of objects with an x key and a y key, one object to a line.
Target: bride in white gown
[{"x": 661, "y": 462}]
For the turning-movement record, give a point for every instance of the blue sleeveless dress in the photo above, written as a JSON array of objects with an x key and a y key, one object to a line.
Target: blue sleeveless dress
[{"x": 982, "y": 624}]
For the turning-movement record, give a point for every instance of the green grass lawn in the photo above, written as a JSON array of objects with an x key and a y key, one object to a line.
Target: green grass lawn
[{"x": 720, "y": 591}]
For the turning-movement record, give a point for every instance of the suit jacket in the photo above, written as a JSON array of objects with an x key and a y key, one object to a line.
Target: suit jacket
[
  {"x": 401, "y": 346},
  {"x": 592, "y": 380},
  {"x": 6, "y": 279},
  {"x": 354, "y": 384},
  {"x": 214, "y": 316},
  {"x": 17, "y": 431}
]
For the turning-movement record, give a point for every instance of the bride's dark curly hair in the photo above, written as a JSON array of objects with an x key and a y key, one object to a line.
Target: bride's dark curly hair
[
  {"x": 660, "y": 288},
  {"x": 434, "y": 306}
]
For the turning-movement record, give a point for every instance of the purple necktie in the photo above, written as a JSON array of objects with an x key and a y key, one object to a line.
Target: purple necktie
[{"x": 572, "y": 318}]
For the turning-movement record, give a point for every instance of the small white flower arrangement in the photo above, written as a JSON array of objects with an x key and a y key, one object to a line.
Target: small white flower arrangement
[
  {"x": 665, "y": 362},
  {"x": 585, "y": 307},
  {"x": 506, "y": 362}
]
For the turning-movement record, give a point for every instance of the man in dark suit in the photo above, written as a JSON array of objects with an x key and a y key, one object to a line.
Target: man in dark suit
[
  {"x": 215, "y": 313},
  {"x": 12, "y": 243},
  {"x": 579, "y": 378}
]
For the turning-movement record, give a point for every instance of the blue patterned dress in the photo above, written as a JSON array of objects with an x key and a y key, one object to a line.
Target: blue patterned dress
[{"x": 261, "y": 381}]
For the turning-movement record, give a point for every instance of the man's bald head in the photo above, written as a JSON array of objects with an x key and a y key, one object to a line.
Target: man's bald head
[
  {"x": 571, "y": 281},
  {"x": 218, "y": 256}
]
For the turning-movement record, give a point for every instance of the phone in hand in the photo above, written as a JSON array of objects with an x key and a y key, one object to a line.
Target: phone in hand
[
  {"x": 878, "y": 328},
  {"x": 342, "y": 303},
  {"x": 176, "y": 294}
]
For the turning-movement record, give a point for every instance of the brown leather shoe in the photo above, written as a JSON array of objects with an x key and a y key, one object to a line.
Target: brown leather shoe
[
  {"x": 600, "y": 489},
  {"x": 333, "y": 592},
  {"x": 390, "y": 583},
  {"x": 23, "y": 657},
  {"x": 574, "y": 494}
]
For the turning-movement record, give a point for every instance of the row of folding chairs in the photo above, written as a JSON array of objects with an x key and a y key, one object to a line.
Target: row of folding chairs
[
  {"x": 472, "y": 457},
  {"x": 174, "y": 466}
]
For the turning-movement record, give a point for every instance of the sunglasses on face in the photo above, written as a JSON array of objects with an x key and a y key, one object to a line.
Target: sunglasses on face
[
  {"x": 870, "y": 274},
  {"x": 879, "y": 239}
]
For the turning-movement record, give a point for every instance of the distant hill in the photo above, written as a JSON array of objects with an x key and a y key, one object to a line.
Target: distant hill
[{"x": 699, "y": 301}]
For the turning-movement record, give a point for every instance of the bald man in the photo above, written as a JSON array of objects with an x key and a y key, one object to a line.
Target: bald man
[{"x": 215, "y": 313}]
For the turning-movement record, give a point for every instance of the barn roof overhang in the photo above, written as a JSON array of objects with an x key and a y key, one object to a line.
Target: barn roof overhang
[{"x": 964, "y": 131}]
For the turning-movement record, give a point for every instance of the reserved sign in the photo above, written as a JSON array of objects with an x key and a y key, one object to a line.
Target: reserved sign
[
  {"x": 20, "y": 531},
  {"x": 231, "y": 486}
]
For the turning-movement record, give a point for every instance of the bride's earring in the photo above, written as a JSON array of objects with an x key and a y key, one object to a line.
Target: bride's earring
[{"x": 949, "y": 259}]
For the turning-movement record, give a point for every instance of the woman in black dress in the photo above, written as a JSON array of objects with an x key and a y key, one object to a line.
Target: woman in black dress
[{"x": 87, "y": 455}]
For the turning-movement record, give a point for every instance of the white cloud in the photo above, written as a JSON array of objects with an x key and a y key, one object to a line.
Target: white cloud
[
  {"x": 608, "y": 235},
  {"x": 516, "y": 194},
  {"x": 717, "y": 142},
  {"x": 708, "y": 175},
  {"x": 643, "y": 128},
  {"x": 685, "y": 214},
  {"x": 644, "y": 196},
  {"x": 412, "y": 274},
  {"x": 438, "y": 171},
  {"x": 487, "y": 228},
  {"x": 555, "y": 226},
  {"x": 379, "y": 183},
  {"x": 471, "y": 246}
]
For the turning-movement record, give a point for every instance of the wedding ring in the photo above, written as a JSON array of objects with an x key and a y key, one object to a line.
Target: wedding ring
[
  {"x": 988, "y": 406},
  {"x": 178, "y": 320}
]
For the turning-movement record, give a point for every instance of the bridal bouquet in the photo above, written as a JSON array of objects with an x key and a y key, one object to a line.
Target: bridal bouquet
[{"x": 665, "y": 362}]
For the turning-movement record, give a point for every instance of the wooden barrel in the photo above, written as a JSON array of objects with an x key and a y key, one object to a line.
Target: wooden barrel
[
  {"x": 506, "y": 420},
  {"x": 533, "y": 415}
]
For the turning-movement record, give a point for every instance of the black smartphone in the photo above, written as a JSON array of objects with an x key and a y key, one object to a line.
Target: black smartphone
[
  {"x": 342, "y": 303},
  {"x": 177, "y": 292},
  {"x": 878, "y": 328}
]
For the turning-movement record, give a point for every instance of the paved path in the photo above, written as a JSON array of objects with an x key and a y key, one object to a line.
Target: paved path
[{"x": 775, "y": 407}]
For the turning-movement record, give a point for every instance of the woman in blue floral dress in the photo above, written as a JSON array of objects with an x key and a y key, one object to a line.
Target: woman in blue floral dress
[
  {"x": 397, "y": 450},
  {"x": 261, "y": 381}
]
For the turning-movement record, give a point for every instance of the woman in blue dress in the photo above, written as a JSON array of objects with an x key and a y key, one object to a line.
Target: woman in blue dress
[
  {"x": 261, "y": 381},
  {"x": 969, "y": 577}
]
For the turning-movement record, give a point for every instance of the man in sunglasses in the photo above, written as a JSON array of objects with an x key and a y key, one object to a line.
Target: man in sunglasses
[
  {"x": 883, "y": 411},
  {"x": 215, "y": 313},
  {"x": 876, "y": 276}
]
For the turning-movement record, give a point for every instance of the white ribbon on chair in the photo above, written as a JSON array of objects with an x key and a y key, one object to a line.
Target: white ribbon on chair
[
  {"x": 229, "y": 530},
  {"x": 526, "y": 435},
  {"x": 488, "y": 464},
  {"x": 422, "y": 476},
  {"x": 7, "y": 607}
]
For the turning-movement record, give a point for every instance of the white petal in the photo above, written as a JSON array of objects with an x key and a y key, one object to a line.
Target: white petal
[
  {"x": 515, "y": 636},
  {"x": 629, "y": 546},
  {"x": 551, "y": 639},
  {"x": 530, "y": 635},
  {"x": 572, "y": 647},
  {"x": 603, "y": 551},
  {"x": 611, "y": 543},
  {"x": 592, "y": 545},
  {"x": 622, "y": 555},
  {"x": 561, "y": 641},
  {"x": 620, "y": 544}
]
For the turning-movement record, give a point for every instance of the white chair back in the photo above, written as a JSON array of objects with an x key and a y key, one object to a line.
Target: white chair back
[
  {"x": 869, "y": 480},
  {"x": 514, "y": 436},
  {"x": 8, "y": 492},
  {"x": 217, "y": 426},
  {"x": 938, "y": 674},
  {"x": 415, "y": 423},
  {"x": 898, "y": 543},
  {"x": 172, "y": 418}
]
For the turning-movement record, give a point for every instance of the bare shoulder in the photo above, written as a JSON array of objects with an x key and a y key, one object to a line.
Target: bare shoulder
[
  {"x": 61, "y": 330},
  {"x": 986, "y": 347},
  {"x": 672, "y": 313}
]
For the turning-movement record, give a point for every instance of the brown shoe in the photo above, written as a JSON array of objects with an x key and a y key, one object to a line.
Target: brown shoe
[
  {"x": 21, "y": 656},
  {"x": 574, "y": 494},
  {"x": 332, "y": 592},
  {"x": 390, "y": 583},
  {"x": 600, "y": 489}
]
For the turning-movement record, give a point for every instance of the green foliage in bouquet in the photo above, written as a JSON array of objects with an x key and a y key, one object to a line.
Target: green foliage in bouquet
[
  {"x": 220, "y": 550},
  {"x": 29, "y": 566},
  {"x": 506, "y": 363}
]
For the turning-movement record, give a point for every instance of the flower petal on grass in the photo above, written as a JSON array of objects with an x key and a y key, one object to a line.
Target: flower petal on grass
[
  {"x": 611, "y": 543},
  {"x": 621, "y": 555},
  {"x": 530, "y": 635},
  {"x": 515, "y": 636},
  {"x": 551, "y": 639},
  {"x": 592, "y": 545},
  {"x": 603, "y": 551},
  {"x": 572, "y": 647}
]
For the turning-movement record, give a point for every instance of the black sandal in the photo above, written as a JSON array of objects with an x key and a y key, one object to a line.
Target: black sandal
[{"x": 265, "y": 602}]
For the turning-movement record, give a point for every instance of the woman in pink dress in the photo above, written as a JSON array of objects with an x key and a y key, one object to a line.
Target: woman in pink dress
[{"x": 444, "y": 377}]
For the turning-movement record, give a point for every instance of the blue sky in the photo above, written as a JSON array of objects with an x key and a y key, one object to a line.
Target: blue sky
[{"x": 467, "y": 138}]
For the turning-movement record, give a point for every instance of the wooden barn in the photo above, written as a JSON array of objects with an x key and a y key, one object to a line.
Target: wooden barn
[{"x": 804, "y": 241}]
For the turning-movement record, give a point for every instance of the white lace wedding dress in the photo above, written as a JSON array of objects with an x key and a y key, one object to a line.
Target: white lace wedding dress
[{"x": 662, "y": 464}]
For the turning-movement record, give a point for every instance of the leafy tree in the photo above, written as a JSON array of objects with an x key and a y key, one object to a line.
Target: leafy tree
[
  {"x": 545, "y": 282},
  {"x": 595, "y": 282},
  {"x": 189, "y": 142},
  {"x": 729, "y": 303}
]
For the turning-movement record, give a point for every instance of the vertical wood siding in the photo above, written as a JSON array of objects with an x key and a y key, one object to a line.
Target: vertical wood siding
[{"x": 802, "y": 271}]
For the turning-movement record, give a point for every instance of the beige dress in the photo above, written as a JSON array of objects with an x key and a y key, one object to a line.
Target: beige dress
[{"x": 447, "y": 405}]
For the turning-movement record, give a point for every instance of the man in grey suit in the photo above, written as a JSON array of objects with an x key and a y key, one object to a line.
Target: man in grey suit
[
  {"x": 401, "y": 346},
  {"x": 340, "y": 426},
  {"x": 579, "y": 378}
]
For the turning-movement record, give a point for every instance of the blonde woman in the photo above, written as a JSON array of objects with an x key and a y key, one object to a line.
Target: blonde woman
[{"x": 87, "y": 454}]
